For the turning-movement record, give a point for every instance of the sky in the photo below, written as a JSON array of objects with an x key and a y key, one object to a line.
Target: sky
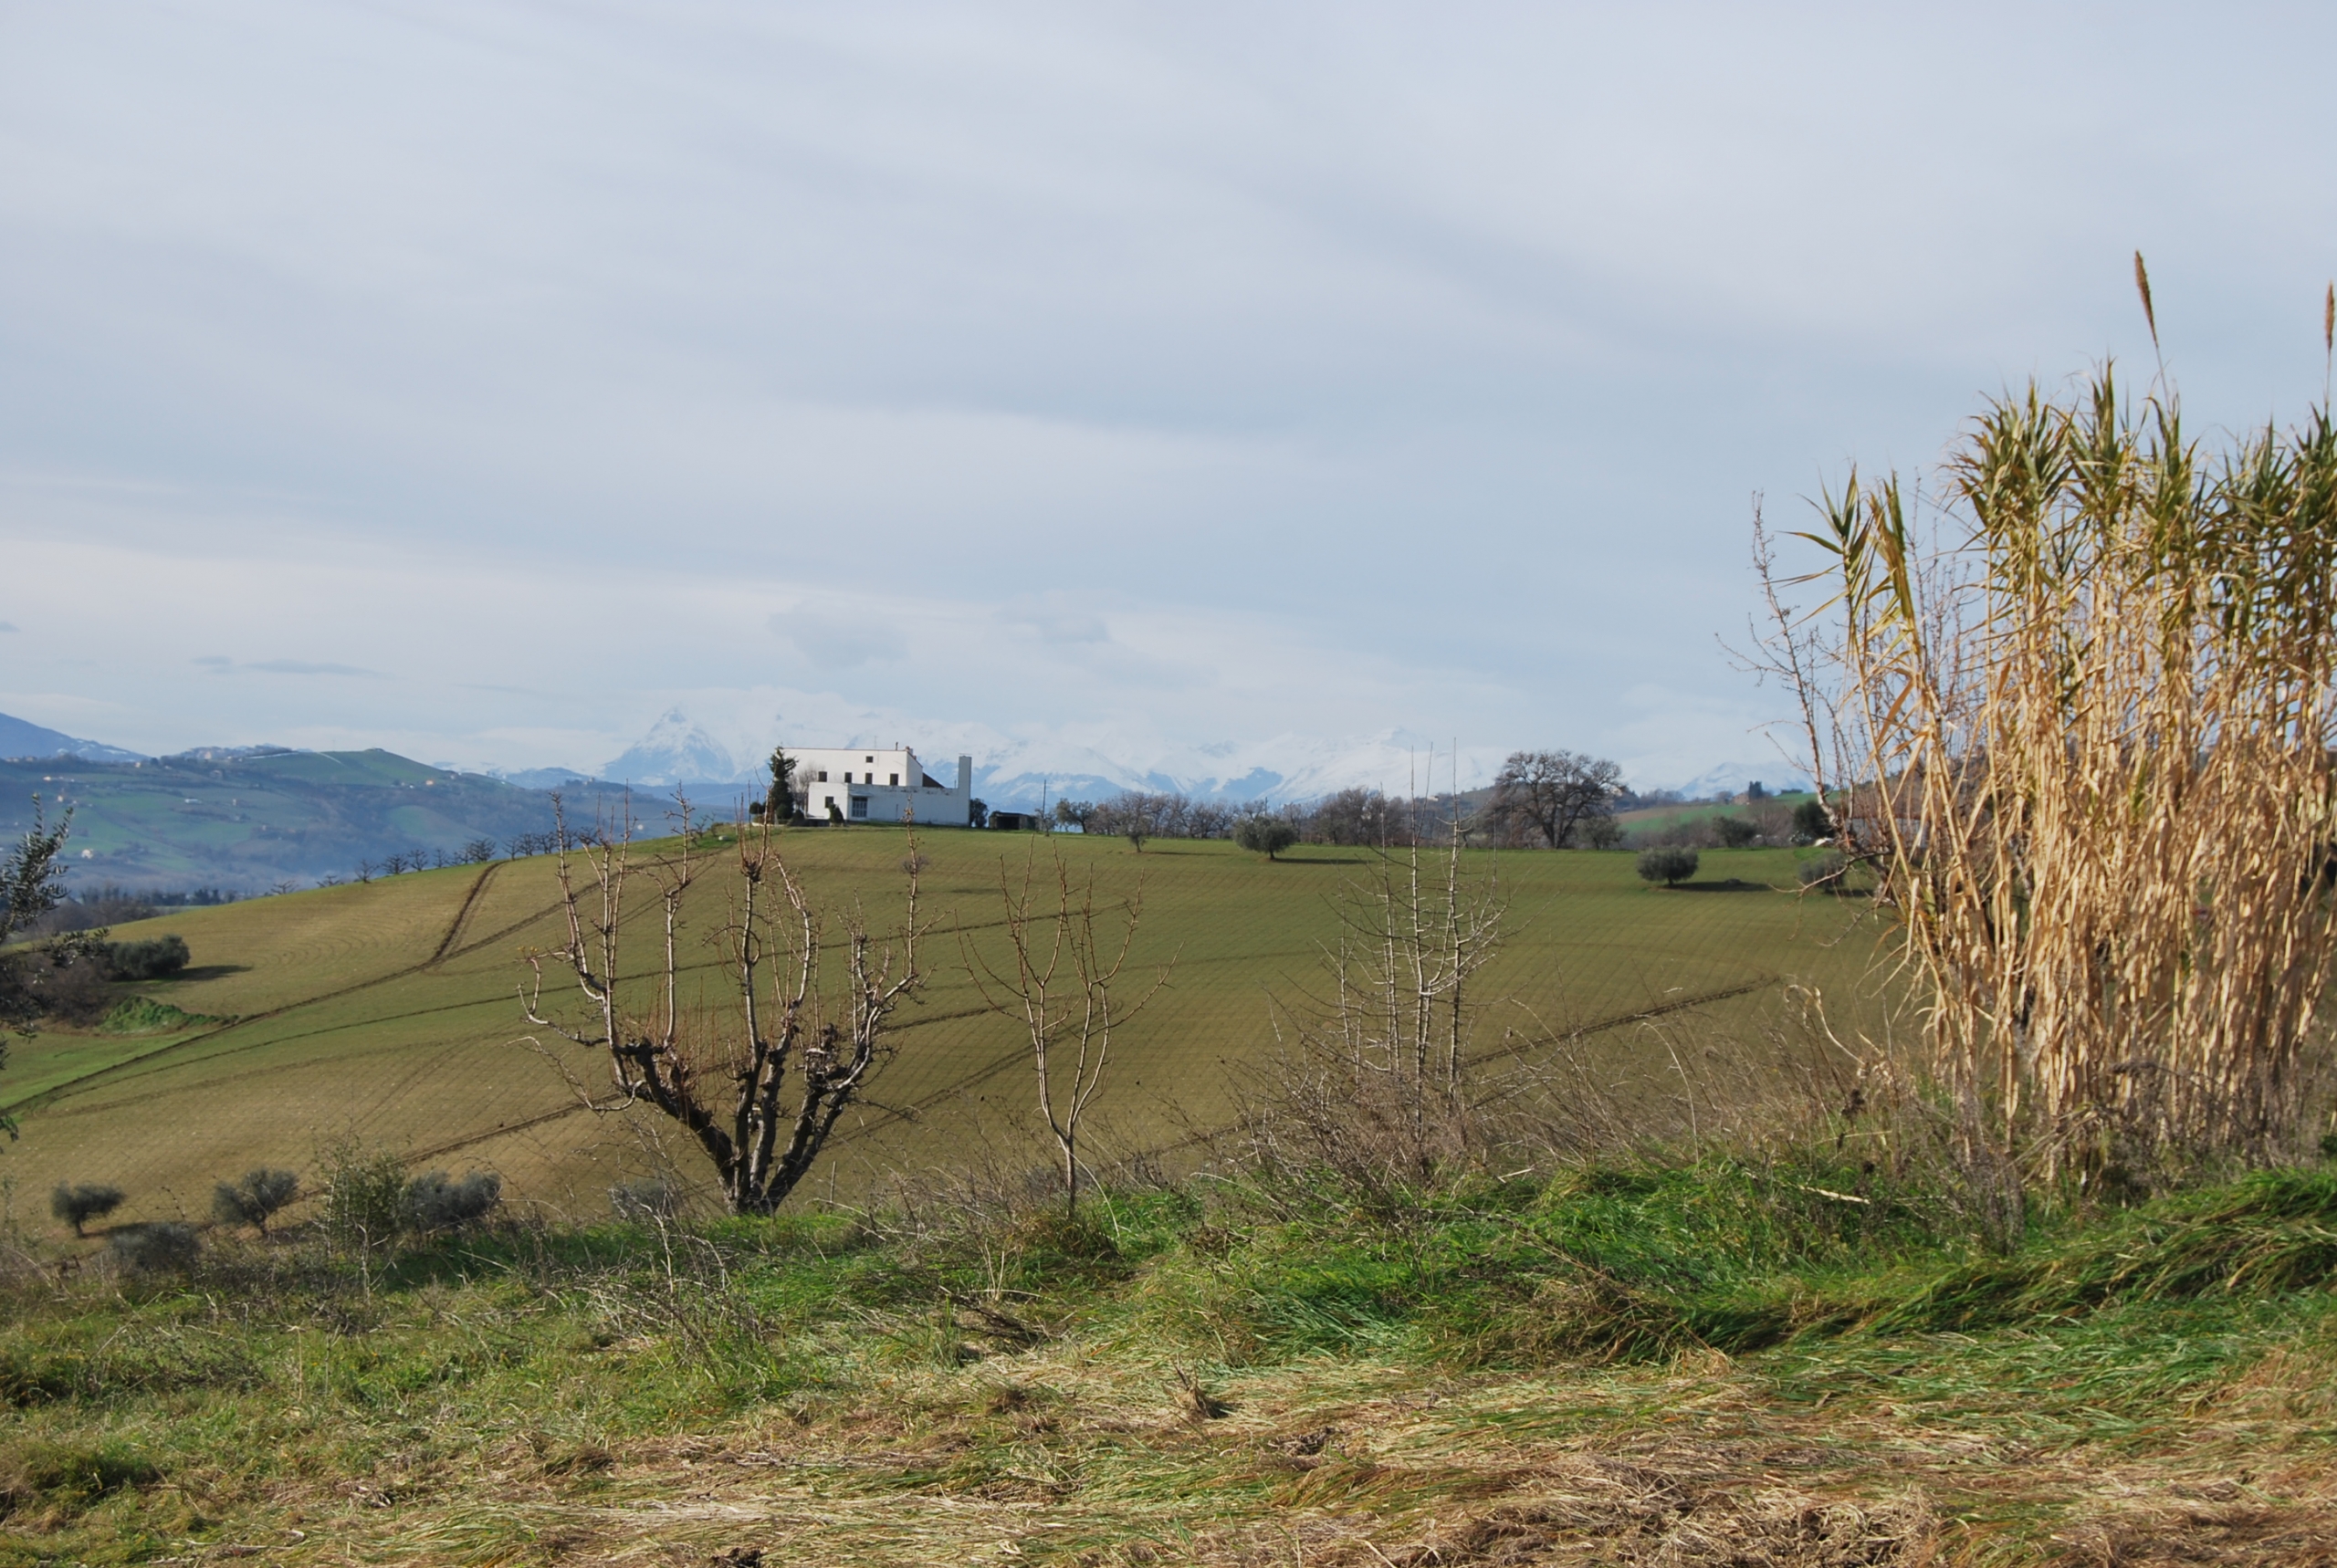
[{"x": 485, "y": 381}]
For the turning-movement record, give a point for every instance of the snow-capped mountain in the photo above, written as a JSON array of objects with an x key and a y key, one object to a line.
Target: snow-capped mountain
[
  {"x": 1282, "y": 768},
  {"x": 539, "y": 778},
  {"x": 675, "y": 751},
  {"x": 20, "y": 737},
  {"x": 1020, "y": 771},
  {"x": 1731, "y": 777}
]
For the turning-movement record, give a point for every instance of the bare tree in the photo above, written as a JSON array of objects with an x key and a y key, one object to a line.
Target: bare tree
[
  {"x": 1555, "y": 793},
  {"x": 1060, "y": 989},
  {"x": 1401, "y": 1003},
  {"x": 760, "y": 1087},
  {"x": 1357, "y": 816},
  {"x": 1380, "y": 1082}
]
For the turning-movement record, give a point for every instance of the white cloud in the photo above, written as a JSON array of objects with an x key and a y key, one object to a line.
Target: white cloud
[
  {"x": 499, "y": 376},
  {"x": 831, "y": 638}
]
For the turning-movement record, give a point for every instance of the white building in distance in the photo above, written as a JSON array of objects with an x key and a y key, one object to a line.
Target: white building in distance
[{"x": 871, "y": 786}]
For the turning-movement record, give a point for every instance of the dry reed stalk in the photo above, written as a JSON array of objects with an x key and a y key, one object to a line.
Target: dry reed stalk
[{"x": 2087, "y": 745}]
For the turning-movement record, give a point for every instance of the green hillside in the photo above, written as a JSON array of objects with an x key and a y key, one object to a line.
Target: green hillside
[
  {"x": 248, "y": 822},
  {"x": 388, "y": 1011}
]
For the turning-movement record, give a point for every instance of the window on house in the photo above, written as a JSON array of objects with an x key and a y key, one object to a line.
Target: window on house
[
  {"x": 860, "y": 805},
  {"x": 824, "y": 776},
  {"x": 847, "y": 775},
  {"x": 897, "y": 778}
]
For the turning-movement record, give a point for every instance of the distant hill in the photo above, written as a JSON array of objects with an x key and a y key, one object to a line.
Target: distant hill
[
  {"x": 251, "y": 818},
  {"x": 19, "y": 737}
]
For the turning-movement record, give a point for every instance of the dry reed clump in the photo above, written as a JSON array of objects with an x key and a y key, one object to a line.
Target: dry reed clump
[{"x": 2083, "y": 729}]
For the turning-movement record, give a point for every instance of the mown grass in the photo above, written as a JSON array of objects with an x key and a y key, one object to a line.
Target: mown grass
[{"x": 1201, "y": 1372}]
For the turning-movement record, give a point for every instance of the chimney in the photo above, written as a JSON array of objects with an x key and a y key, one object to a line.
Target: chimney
[{"x": 965, "y": 776}]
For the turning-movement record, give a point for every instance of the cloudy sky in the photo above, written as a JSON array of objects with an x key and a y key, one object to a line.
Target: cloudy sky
[{"x": 484, "y": 380}]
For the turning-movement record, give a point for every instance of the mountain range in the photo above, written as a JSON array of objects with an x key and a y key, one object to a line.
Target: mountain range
[
  {"x": 251, "y": 817},
  {"x": 1020, "y": 773}
]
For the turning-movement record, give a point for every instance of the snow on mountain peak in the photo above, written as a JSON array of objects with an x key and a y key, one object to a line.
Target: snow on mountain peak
[{"x": 675, "y": 751}]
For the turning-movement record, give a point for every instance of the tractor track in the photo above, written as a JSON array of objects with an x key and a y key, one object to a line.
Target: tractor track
[
  {"x": 154, "y": 1059},
  {"x": 889, "y": 1115}
]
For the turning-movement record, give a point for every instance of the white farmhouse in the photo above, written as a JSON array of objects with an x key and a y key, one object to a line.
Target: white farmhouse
[{"x": 872, "y": 786}]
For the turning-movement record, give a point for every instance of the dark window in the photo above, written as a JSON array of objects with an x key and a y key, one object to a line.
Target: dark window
[
  {"x": 896, "y": 780},
  {"x": 847, "y": 775},
  {"x": 824, "y": 776},
  {"x": 860, "y": 805}
]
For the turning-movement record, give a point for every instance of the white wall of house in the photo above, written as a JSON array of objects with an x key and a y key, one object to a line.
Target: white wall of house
[{"x": 871, "y": 785}]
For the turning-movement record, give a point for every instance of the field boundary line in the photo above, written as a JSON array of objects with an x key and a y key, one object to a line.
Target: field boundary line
[
  {"x": 455, "y": 926},
  {"x": 1620, "y": 1021},
  {"x": 99, "y": 1077},
  {"x": 886, "y": 1115}
]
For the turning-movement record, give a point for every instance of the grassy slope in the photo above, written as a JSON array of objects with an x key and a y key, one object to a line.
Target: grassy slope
[
  {"x": 249, "y": 821},
  {"x": 388, "y": 1010},
  {"x": 1241, "y": 1373}
]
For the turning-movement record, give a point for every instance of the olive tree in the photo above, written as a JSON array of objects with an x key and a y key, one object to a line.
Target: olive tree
[
  {"x": 254, "y": 1200},
  {"x": 1670, "y": 865},
  {"x": 1262, "y": 833}
]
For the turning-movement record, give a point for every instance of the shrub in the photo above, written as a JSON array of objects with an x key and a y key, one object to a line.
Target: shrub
[
  {"x": 644, "y": 1201},
  {"x": 1823, "y": 871},
  {"x": 78, "y": 1204},
  {"x": 361, "y": 1196},
  {"x": 1736, "y": 833},
  {"x": 164, "y": 1246},
  {"x": 1670, "y": 865},
  {"x": 1810, "y": 822},
  {"x": 437, "y": 1202},
  {"x": 144, "y": 1015},
  {"x": 1261, "y": 834},
  {"x": 253, "y": 1200},
  {"x": 64, "y": 984},
  {"x": 156, "y": 959}
]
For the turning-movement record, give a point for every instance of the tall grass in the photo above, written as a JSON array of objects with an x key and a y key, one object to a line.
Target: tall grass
[{"x": 2080, "y": 722}]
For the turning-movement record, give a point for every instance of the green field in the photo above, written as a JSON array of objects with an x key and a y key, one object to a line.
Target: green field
[
  {"x": 1648, "y": 817},
  {"x": 388, "y": 1012}
]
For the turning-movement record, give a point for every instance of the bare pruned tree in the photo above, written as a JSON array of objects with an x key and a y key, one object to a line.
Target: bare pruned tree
[
  {"x": 1553, "y": 793},
  {"x": 1380, "y": 1082},
  {"x": 1060, "y": 986},
  {"x": 759, "y": 1084}
]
